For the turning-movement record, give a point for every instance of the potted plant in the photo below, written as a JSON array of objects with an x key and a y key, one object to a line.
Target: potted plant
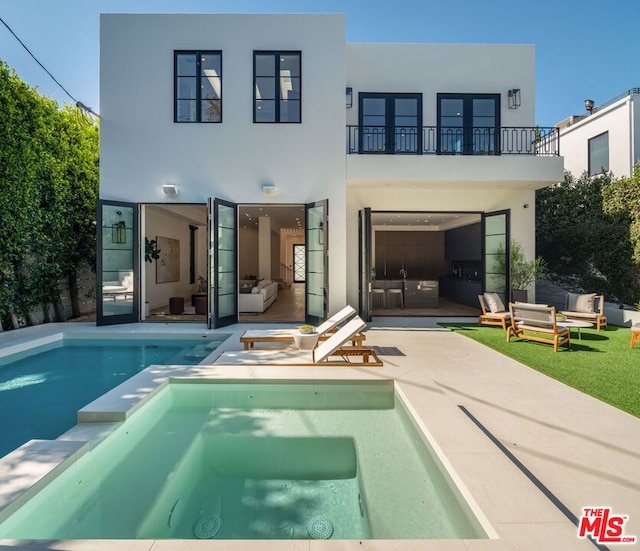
[
  {"x": 524, "y": 273},
  {"x": 151, "y": 253}
]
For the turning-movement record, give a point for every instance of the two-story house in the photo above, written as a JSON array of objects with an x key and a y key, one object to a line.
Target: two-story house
[
  {"x": 261, "y": 147},
  {"x": 605, "y": 138}
]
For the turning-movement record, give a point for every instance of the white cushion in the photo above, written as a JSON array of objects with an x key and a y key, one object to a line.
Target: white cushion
[
  {"x": 584, "y": 303},
  {"x": 494, "y": 302},
  {"x": 571, "y": 301}
]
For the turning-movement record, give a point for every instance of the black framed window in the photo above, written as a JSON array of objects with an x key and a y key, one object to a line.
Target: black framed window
[
  {"x": 198, "y": 86},
  {"x": 469, "y": 124},
  {"x": 599, "y": 154},
  {"x": 276, "y": 87},
  {"x": 390, "y": 123}
]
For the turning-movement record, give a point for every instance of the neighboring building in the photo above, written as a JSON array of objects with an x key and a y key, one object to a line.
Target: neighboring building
[
  {"x": 606, "y": 138},
  {"x": 427, "y": 172}
]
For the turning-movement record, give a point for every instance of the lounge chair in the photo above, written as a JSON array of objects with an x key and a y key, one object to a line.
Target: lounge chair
[
  {"x": 332, "y": 351},
  {"x": 497, "y": 315},
  {"x": 249, "y": 338},
  {"x": 536, "y": 322},
  {"x": 589, "y": 307}
]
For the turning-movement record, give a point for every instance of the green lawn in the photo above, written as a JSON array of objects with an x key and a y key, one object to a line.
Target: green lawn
[{"x": 601, "y": 364}]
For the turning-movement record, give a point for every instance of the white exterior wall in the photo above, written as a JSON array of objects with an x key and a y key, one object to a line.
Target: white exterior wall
[
  {"x": 430, "y": 69},
  {"x": 142, "y": 148},
  {"x": 447, "y": 182},
  {"x": 620, "y": 121}
]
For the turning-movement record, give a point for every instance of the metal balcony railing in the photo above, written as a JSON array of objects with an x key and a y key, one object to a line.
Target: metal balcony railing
[{"x": 449, "y": 140}]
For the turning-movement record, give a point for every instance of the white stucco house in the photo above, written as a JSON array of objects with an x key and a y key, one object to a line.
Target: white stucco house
[
  {"x": 264, "y": 147},
  {"x": 605, "y": 138}
]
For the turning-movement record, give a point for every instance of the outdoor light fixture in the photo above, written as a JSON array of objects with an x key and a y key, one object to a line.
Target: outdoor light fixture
[
  {"x": 269, "y": 190},
  {"x": 349, "y": 97},
  {"x": 170, "y": 189},
  {"x": 119, "y": 232},
  {"x": 588, "y": 105},
  {"x": 514, "y": 98}
]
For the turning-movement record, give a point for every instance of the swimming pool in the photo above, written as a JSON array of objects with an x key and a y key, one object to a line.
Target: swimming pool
[
  {"x": 43, "y": 387},
  {"x": 261, "y": 460}
]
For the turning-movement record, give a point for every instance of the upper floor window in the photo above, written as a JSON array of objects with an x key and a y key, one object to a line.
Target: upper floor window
[
  {"x": 276, "y": 79},
  {"x": 599, "y": 154},
  {"x": 198, "y": 86},
  {"x": 390, "y": 123},
  {"x": 468, "y": 124}
]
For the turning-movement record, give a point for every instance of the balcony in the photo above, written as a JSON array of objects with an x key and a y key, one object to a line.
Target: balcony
[{"x": 442, "y": 140}]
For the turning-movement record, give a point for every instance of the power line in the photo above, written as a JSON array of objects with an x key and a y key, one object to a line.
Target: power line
[{"x": 79, "y": 104}]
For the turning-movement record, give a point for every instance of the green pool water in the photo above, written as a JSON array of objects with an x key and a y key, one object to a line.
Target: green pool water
[{"x": 256, "y": 461}]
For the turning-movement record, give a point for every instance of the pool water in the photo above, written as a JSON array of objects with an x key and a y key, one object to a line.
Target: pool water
[
  {"x": 256, "y": 461},
  {"x": 42, "y": 389}
]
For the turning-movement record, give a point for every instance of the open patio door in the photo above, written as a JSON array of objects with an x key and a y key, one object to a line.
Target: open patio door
[
  {"x": 222, "y": 259},
  {"x": 365, "y": 264},
  {"x": 117, "y": 263},
  {"x": 317, "y": 269},
  {"x": 495, "y": 247}
]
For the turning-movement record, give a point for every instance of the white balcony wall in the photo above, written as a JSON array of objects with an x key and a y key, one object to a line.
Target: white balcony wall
[
  {"x": 142, "y": 148},
  {"x": 620, "y": 120},
  {"x": 458, "y": 172}
]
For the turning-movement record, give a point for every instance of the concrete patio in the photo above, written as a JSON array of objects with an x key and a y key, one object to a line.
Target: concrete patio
[{"x": 580, "y": 451}]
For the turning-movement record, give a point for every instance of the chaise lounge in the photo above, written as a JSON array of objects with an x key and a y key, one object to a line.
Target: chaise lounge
[
  {"x": 251, "y": 337},
  {"x": 330, "y": 352}
]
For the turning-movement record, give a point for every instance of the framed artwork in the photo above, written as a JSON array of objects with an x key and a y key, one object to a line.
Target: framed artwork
[{"x": 168, "y": 264}]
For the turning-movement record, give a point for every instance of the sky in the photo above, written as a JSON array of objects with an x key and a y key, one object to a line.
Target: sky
[{"x": 585, "y": 49}]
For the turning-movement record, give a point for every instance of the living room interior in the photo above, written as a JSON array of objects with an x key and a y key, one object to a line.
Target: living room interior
[{"x": 271, "y": 275}]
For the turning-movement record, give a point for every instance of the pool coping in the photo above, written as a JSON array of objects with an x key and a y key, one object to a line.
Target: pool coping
[{"x": 521, "y": 515}]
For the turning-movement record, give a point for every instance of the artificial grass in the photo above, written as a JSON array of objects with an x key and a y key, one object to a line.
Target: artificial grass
[{"x": 601, "y": 364}]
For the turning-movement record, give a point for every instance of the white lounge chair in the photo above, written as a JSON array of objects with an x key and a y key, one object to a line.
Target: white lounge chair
[
  {"x": 332, "y": 351},
  {"x": 252, "y": 336}
]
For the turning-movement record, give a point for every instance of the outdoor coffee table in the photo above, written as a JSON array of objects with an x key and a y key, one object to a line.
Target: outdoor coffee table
[{"x": 577, "y": 324}]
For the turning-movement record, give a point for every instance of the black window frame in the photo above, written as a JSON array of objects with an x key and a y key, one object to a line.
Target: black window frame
[
  {"x": 198, "y": 76},
  {"x": 390, "y": 145},
  {"x": 602, "y": 169},
  {"x": 277, "y": 101},
  {"x": 467, "y": 123}
]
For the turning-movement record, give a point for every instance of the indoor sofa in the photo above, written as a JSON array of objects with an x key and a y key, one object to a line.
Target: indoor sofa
[{"x": 256, "y": 296}]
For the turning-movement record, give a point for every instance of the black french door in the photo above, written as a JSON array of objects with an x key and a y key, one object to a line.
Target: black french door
[
  {"x": 316, "y": 262},
  {"x": 222, "y": 258},
  {"x": 469, "y": 124},
  {"x": 390, "y": 123},
  {"x": 495, "y": 247},
  {"x": 365, "y": 264},
  {"x": 118, "y": 263}
]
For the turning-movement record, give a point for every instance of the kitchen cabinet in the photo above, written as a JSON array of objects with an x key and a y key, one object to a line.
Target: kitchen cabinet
[
  {"x": 421, "y": 293},
  {"x": 461, "y": 290},
  {"x": 463, "y": 243}
]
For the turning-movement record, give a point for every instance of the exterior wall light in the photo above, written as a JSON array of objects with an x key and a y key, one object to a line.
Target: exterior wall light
[
  {"x": 589, "y": 105},
  {"x": 349, "y": 97},
  {"x": 170, "y": 190},
  {"x": 269, "y": 190},
  {"x": 514, "y": 98}
]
